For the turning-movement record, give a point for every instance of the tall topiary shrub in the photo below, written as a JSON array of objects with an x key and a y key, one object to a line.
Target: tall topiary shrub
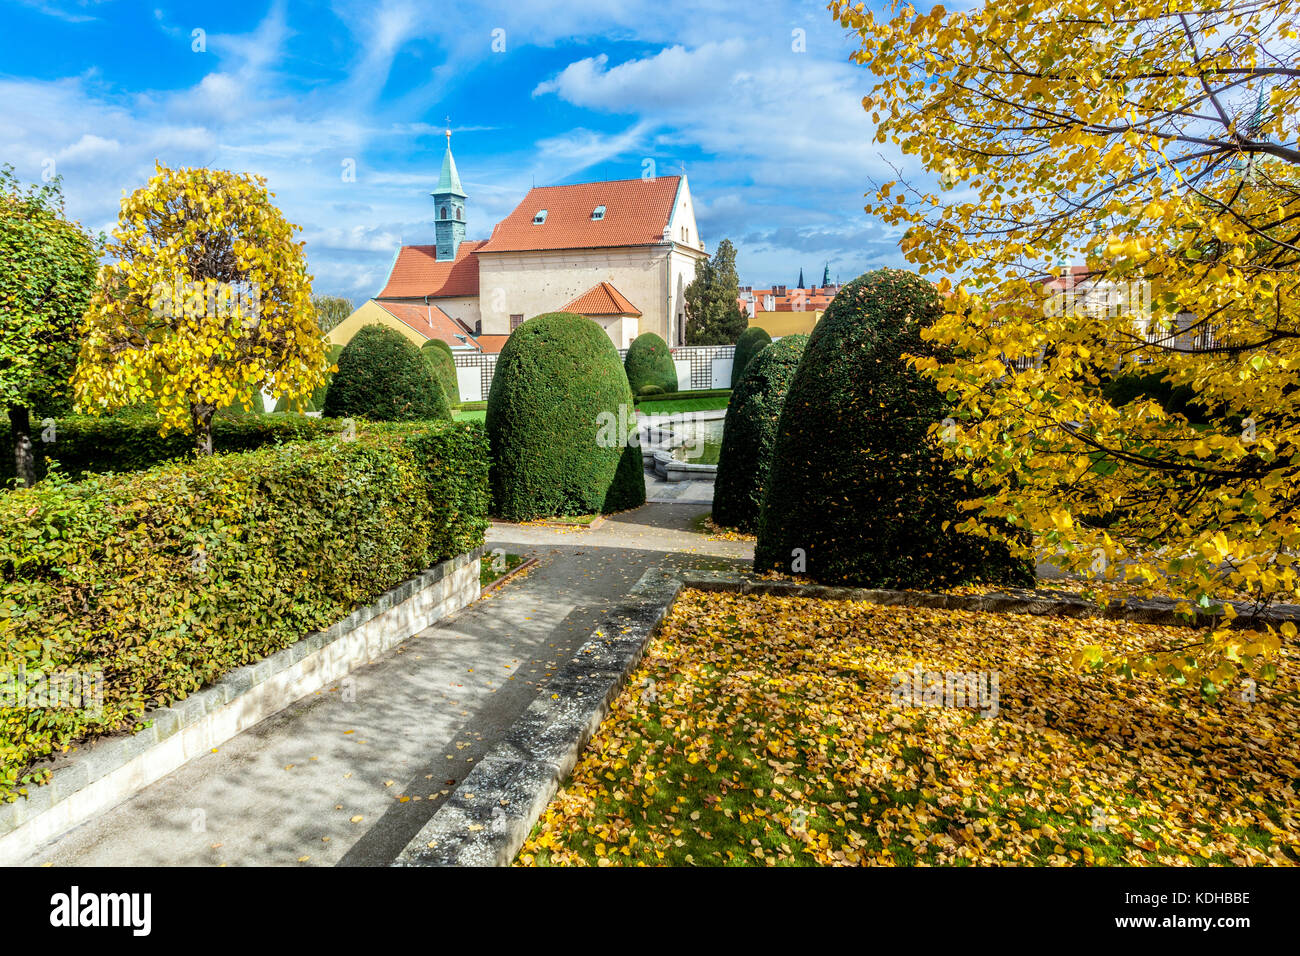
[
  {"x": 749, "y": 434},
  {"x": 438, "y": 354},
  {"x": 383, "y": 377},
  {"x": 558, "y": 385},
  {"x": 752, "y": 341},
  {"x": 859, "y": 492},
  {"x": 650, "y": 363}
]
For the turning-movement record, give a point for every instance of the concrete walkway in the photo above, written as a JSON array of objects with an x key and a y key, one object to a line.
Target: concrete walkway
[{"x": 348, "y": 776}]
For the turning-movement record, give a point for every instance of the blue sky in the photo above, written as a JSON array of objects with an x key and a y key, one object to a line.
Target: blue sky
[{"x": 774, "y": 140}]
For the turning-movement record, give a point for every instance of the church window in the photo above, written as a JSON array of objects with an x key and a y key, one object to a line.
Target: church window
[
  {"x": 444, "y": 213},
  {"x": 458, "y": 211}
]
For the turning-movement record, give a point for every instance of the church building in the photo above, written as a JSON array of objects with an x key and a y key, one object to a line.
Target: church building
[{"x": 620, "y": 252}]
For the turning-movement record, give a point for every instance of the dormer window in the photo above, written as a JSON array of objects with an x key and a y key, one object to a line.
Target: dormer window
[
  {"x": 598, "y": 213},
  {"x": 540, "y": 217}
]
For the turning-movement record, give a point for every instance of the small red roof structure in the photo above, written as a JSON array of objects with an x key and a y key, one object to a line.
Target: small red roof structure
[
  {"x": 417, "y": 273},
  {"x": 491, "y": 344},
  {"x": 602, "y": 299},
  {"x": 622, "y": 212}
]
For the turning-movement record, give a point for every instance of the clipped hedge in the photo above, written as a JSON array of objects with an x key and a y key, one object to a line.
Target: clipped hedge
[
  {"x": 438, "y": 354},
  {"x": 859, "y": 492},
  {"x": 752, "y": 341},
  {"x": 749, "y": 433},
  {"x": 383, "y": 377},
  {"x": 557, "y": 379},
  {"x": 683, "y": 395},
  {"x": 649, "y": 362},
  {"x": 130, "y": 442},
  {"x": 164, "y": 580}
]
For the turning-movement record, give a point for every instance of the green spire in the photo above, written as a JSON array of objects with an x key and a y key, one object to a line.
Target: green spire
[{"x": 449, "y": 180}]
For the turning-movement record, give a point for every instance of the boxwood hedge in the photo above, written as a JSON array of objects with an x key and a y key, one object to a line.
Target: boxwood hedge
[
  {"x": 162, "y": 581},
  {"x": 749, "y": 433},
  {"x": 752, "y": 341},
  {"x": 859, "y": 492},
  {"x": 383, "y": 377},
  {"x": 557, "y": 383},
  {"x": 649, "y": 362},
  {"x": 130, "y": 442},
  {"x": 438, "y": 354}
]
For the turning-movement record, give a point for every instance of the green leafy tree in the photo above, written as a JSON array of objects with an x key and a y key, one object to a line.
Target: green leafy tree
[
  {"x": 713, "y": 316},
  {"x": 47, "y": 274},
  {"x": 330, "y": 311}
]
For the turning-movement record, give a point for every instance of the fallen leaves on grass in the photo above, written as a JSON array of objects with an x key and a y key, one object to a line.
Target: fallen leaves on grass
[{"x": 766, "y": 730}]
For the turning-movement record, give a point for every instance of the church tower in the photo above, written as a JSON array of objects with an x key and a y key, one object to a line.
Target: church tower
[{"x": 449, "y": 209}]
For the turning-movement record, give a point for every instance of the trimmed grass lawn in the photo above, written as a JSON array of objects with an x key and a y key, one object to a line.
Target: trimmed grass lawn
[
  {"x": 767, "y": 731},
  {"x": 470, "y": 415},
  {"x": 676, "y": 406},
  {"x": 487, "y": 573}
]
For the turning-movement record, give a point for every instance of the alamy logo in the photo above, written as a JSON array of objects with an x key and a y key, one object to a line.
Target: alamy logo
[
  {"x": 75, "y": 908},
  {"x": 976, "y": 690}
]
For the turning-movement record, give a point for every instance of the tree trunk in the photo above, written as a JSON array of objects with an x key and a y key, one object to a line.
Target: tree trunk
[
  {"x": 201, "y": 416},
  {"x": 20, "y": 423}
]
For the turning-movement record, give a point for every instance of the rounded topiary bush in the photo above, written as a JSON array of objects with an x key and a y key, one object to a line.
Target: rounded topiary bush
[
  {"x": 749, "y": 433},
  {"x": 752, "y": 341},
  {"x": 438, "y": 354},
  {"x": 558, "y": 402},
  {"x": 859, "y": 492},
  {"x": 650, "y": 390},
  {"x": 649, "y": 362},
  {"x": 383, "y": 377}
]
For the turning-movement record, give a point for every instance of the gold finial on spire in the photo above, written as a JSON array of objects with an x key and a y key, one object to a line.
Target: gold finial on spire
[{"x": 449, "y": 132}]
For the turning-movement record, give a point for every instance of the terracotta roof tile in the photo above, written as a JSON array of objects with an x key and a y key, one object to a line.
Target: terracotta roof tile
[
  {"x": 636, "y": 213},
  {"x": 491, "y": 343},
  {"x": 429, "y": 320},
  {"x": 602, "y": 299},
  {"x": 417, "y": 273}
]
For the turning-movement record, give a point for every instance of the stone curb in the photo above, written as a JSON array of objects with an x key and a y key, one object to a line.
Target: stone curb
[
  {"x": 1011, "y": 601},
  {"x": 489, "y": 816},
  {"x": 112, "y": 769}
]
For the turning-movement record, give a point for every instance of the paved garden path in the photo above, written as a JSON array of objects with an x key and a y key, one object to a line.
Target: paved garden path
[{"x": 392, "y": 740}]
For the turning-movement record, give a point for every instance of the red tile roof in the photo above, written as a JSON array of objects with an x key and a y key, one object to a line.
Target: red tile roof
[
  {"x": 636, "y": 213},
  {"x": 417, "y": 273},
  {"x": 492, "y": 343},
  {"x": 429, "y": 320},
  {"x": 602, "y": 299}
]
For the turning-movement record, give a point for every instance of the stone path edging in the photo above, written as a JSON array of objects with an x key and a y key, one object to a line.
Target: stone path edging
[
  {"x": 488, "y": 817},
  {"x": 114, "y": 768}
]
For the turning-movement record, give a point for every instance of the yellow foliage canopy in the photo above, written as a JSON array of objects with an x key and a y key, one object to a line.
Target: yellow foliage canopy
[
  {"x": 1137, "y": 416},
  {"x": 208, "y": 298}
]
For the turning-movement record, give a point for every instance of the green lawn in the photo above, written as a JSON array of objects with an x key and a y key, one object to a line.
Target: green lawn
[
  {"x": 706, "y": 404},
  {"x": 489, "y": 570}
]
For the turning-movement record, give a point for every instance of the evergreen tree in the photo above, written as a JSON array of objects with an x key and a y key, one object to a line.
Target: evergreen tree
[{"x": 713, "y": 315}]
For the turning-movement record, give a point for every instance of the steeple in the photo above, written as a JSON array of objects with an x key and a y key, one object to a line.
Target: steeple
[
  {"x": 800, "y": 285},
  {"x": 449, "y": 208}
]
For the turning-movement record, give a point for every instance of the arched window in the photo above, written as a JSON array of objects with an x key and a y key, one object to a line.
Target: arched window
[
  {"x": 444, "y": 213},
  {"x": 458, "y": 212}
]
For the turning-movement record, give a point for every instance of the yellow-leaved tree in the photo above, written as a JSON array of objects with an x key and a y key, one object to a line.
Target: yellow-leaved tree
[
  {"x": 206, "y": 300},
  {"x": 1138, "y": 413}
]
